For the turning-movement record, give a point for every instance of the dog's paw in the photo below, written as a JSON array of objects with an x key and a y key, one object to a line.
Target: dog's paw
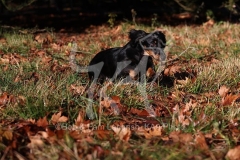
[{"x": 133, "y": 74}]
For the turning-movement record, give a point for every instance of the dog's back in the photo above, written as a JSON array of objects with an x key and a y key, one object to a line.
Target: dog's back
[
  {"x": 108, "y": 57},
  {"x": 121, "y": 61}
]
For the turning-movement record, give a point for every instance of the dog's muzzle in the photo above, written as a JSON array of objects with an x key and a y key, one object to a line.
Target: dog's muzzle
[{"x": 156, "y": 53}]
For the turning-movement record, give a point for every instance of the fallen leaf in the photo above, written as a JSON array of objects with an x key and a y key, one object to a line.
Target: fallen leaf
[
  {"x": 57, "y": 118},
  {"x": 209, "y": 23},
  {"x": 41, "y": 53},
  {"x": 200, "y": 142},
  {"x": 124, "y": 133},
  {"x": 35, "y": 141},
  {"x": 46, "y": 59},
  {"x": 229, "y": 99},
  {"x": 42, "y": 122},
  {"x": 43, "y": 38},
  {"x": 116, "y": 99},
  {"x": 4, "y": 61},
  {"x": 55, "y": 47},
  {"x": 49, "y": 38},
  {"x": 39, "y": 38},
  {"x": 234, "y": 153},
  {"x": 112, "y": 102},
  {"x": 8, "y": 134},
  {"x": 182, "y": 83},
  {"x": 3, "y": 40},
  {"x": 3, "y": 99},
  {"x": 77, "y": 89},
  {"x": 175, "y": 136},
  {"x": 203, "y": 41},
  {"x": 155, "y": 131},
  {"x": 223, "y": 91},
  {"x": 139, "y": 112},
  {"x": 80, "y": 118},
  {"x": 186, "y": 138},
  {"x": 171, "y": 70},
  {"x": 103, "y": 134},
  {"x": 184, "y": 15}
]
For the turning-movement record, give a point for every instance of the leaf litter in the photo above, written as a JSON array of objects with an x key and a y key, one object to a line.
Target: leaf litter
[{"x": 186, "y": 121}]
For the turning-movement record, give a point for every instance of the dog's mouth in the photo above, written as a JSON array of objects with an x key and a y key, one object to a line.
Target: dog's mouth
[
  {"x": 152, "y": 54},
  {"x": 156, "y": 57}
]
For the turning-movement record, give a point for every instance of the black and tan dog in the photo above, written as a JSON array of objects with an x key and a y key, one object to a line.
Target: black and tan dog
[{"x": 126, "y": 61}]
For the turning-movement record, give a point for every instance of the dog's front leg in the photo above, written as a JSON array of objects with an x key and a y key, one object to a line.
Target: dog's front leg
[{"x": 150, "y": 72}]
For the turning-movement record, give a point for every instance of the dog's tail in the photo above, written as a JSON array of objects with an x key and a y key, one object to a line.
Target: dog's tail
[{"x": 72, "y": 61}]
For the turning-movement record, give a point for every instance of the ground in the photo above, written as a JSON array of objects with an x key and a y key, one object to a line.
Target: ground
[{"x": 45, "y": 104}]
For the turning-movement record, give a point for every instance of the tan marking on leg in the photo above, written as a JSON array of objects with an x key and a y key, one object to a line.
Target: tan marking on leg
[
  {"x": 152, "y": 54},
  {"x": 150, "y": 72},
  {"x": 156, "y": 58},
  {"x": 133, "y": 74},
  {"x": 146, "y": 53}
]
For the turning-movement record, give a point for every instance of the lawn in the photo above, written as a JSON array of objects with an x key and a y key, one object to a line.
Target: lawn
[{"x": 45, "y": 105}]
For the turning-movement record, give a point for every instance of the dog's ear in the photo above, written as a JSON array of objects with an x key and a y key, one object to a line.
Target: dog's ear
[
  {"x": 135, "y": 35},
  {"x": 161, "y": 36}
]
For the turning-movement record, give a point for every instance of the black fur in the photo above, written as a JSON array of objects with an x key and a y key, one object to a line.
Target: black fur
[{"x": 132, "y": 52}]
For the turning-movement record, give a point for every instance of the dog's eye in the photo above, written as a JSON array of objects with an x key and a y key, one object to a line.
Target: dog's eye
[{"x": 154, "y": 43}]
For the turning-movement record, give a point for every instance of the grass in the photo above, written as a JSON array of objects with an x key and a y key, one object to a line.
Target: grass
[{"x": 40, "y": 87}]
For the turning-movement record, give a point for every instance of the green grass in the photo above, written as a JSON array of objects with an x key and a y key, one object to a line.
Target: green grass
[{"x": 43, "y": 88}]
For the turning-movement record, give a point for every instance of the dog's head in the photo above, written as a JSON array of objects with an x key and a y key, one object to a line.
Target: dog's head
[
  {"x": 135, "y": 36},
  {"x": 152, "y": 44}
]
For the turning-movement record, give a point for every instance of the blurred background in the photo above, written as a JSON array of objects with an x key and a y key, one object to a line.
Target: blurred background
[{"x": 79, "y": 14}]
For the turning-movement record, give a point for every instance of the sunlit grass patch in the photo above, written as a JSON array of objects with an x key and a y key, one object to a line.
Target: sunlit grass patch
[
  {"x": 214, "y": 75},
  {"x": 16, "y": 42}
]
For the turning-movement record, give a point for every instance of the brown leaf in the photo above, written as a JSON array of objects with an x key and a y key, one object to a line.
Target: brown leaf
[
  {"x": 229, "y": 99},
  {"x": 49, "y": 38},
  {"x": 186, "y": 138},
  {"x": 142, "y": 112},
  {"x": 18, "y": 78},
  {"x": 41, "y": 53},
  {"x": 3, "y": 99},
  {"x": 46, "y": 59},
  {"x": 171, "y": 70},
  {"x": 35, "y": 141},
  {"x": 124, "y": 133},
  {"x": 234, "y": 153},
  {"x": 200, "y": 142},
  {"x": 103, "y": 134},
  {"x": 43, "y": 38},
  {"x": 155, "y": 131},
  {"x": 80, "y": 118},
  {"x": 175, "y": 136},
  {"x": 4, "y": 61},
  {"x": 112, "y": 102},
  {"x": 55, "y": 46},
  {"x": 57, "y": 118},
  {"x": 7, "y": 134},
  {"x": 223, "y": 91},
  {"x": 78, "y": 90},
  {"x": 209, "y": 23},
  {"x": 42, "y": 122},
  {"x": 39, "y": 38},
  {"x": 3, "y": 40},
  {"x": 184, "y": 15},
  {"x": 116, "y": 99},
  {"x": 63, "y": 119}
]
